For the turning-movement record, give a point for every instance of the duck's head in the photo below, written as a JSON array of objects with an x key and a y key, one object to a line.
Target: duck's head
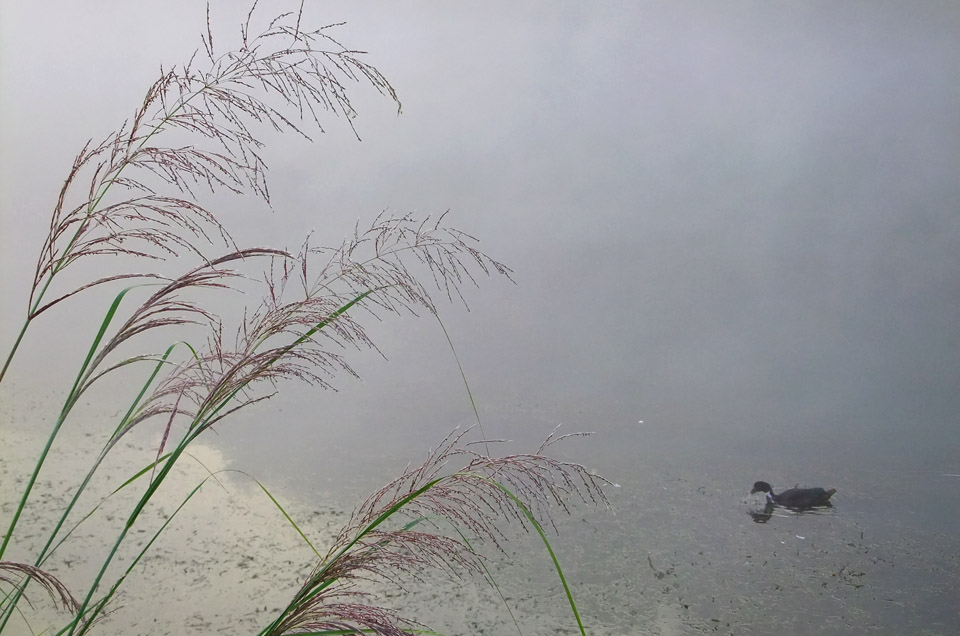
[{"x": 761, "y": 486}]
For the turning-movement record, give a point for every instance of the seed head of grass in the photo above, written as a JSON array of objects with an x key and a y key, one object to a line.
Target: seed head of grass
[
  {"x": 12, "y": 573},
  {"x": 140, "y": 198},
  {"x": 446, "y": 513}
]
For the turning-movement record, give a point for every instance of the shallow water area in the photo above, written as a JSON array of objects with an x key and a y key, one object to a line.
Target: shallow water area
[
  {"x": 820, "y": 572},
  {"x": 225, "y": 560},
  {"x": 677, "y": 552}
]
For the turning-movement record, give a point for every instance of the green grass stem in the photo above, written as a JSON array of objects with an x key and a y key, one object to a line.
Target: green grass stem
[
  {"x": 201, "y": 422},
  {"x": 317, "y": 584},
  {"x": 44, "y": 554},
  {"x": 152, "y": 488},
  {"x": 546, "y": 543},
  {"x": 302, "y": 72},
  {"x": 466, "y": 384},
  {"x": 98, "y": 607},
  {"x": 68, "y": 405},
  {"x": 286, "y": 516}
]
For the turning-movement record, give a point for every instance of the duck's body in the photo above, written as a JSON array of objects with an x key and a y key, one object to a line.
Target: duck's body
[{"x": 796, "y": 497}]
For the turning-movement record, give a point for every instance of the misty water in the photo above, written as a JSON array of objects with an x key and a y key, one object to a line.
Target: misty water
[
  {"x": 679, "y": 533},
  {"x": 735, "y": 234}
]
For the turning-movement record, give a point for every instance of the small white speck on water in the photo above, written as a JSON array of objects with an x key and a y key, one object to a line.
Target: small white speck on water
[{"x": 799, "y": 537}]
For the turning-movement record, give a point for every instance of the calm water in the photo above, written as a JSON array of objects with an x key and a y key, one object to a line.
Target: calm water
[
  {"x": 679, "y": 550},
  {"x": 685, "y": 428}
]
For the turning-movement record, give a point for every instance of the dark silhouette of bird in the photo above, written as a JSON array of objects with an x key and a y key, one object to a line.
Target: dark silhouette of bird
[{"x": 797, "y": 498}]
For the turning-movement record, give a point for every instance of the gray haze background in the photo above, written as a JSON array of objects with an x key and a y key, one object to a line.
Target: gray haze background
[
  {"x": 734, "y": 226},
  {"x": 736, "y": 238}
]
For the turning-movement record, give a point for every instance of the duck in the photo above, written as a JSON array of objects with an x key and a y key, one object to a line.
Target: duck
[{"x": 798, "y": 498}]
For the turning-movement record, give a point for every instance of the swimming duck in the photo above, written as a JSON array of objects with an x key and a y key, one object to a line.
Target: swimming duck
[{"x": 796, "y": 497}]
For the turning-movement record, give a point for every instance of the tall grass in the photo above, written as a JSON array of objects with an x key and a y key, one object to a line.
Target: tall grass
[{"x": 134, "y": 194}]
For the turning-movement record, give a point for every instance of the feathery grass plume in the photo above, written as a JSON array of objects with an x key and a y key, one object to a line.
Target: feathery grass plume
[
  {"x": 141, "y": 202},
  {"x": 140, "y": 197},
  {"x": 282, "y": 339},
  {"x": 12, "y": 573},
  {"x": 475, "y": 500},
  {"x": 303, "y": 338},
  {"x": 165, "y": 308}
]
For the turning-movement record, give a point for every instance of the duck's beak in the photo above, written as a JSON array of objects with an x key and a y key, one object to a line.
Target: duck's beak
[{"x": 753, "y": 490}]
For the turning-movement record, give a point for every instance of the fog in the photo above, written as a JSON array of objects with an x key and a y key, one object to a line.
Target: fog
[
  {"x": 735, "y": 227},
  {"x": 712, "y": 213}
]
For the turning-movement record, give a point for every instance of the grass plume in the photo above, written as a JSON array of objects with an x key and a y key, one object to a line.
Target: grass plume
[
  {"x": 136, "y": 194},
  {"x": 475, "y": 499}
]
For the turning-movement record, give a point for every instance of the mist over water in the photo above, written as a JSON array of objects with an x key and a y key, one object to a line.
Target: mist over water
[{"x": 735, "y": 231}]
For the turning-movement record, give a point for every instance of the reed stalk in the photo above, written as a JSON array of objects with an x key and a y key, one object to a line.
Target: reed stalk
[{"x": 139, "y": 201}]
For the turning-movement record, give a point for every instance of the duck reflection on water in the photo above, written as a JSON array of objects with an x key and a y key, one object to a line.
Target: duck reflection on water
[{"x": 762, "y": 516}]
